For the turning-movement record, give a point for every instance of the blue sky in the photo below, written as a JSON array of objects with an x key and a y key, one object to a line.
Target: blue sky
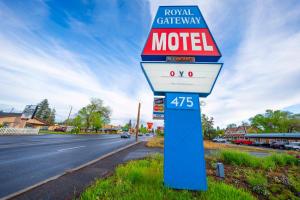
[{"x": 70, "y": 51}]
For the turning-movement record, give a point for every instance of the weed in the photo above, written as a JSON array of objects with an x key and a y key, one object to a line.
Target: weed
[
  {"x": 156, "y": 142},
  {"x": 245, "y": 159},
  {"x": 143, "y": 179}
]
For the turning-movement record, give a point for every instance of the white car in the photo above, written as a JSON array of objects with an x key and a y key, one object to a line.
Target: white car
[
  {"x": 219, "y": 140},
  {"x": 293, "y": 146}
]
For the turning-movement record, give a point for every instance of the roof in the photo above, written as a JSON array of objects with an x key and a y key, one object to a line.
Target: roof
[
  {"x": 274, "y": 135},
  {"x": 5, "y": 114},
  {"x": 235, "y": 129},
  {"x": 37, "y": 121}
]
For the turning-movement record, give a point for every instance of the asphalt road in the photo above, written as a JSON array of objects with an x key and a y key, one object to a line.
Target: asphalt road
[{"x": 27, "y": 160}]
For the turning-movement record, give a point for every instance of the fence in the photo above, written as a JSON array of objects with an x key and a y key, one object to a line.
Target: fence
[{"x": 19, "y": 131}]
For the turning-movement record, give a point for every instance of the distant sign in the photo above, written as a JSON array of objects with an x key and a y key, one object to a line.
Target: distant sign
[
  {"x": 29, "y": 112},
  {"x": 180, "y": 31},
  {"x": 181, "y": 77},
  {"x": 158, "y": 108},
  {"x": 149, "y": 125}
]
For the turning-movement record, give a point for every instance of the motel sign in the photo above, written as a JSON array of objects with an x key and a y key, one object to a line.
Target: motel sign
[{"x": 180, "y": 62}]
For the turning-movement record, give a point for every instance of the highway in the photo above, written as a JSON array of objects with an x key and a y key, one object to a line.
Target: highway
[{"x": 27, "y": 160}]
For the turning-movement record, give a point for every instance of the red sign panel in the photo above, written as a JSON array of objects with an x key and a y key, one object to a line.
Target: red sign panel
[
  {"x": 176, "y": 41},
  {"x": 149, "y": 125}
]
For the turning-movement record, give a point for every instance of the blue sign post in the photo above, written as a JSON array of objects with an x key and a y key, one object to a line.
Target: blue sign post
[
  {"x": 184, "y": 164},
  {"x": 181, "y": 32}
]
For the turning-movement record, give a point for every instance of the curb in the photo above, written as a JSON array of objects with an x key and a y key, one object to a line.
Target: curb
[{"x": 67, "y": 171}]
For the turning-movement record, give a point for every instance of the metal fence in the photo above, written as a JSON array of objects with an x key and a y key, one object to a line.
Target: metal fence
[{"x": 19, "y": 131}]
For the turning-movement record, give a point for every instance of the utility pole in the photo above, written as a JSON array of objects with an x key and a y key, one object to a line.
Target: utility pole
[
  {"x": 138, "y": 123},
  {"x": 69, "y": 115}
]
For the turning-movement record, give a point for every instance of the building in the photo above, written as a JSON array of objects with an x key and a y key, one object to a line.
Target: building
[
  {"x": 111, "y": 129},
  {"x": 267, "y": 138},
  {"x": 236, "y": 133},
  {"x": 14, "y": 120}
]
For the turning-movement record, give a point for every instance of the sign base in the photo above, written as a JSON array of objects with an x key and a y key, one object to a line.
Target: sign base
[{"x": 184, "y": 164}]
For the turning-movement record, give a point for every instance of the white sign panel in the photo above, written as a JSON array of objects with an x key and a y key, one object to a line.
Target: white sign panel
[{"x": 181, "y": 77}]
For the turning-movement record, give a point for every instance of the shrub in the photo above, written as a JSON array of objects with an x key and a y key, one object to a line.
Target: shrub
[
  {"x": 239, "y": 158},
  {"x": 294, "y": 180},
  {"x": 283, "y": 159},
  {"x": 256, "y": 179},
  {"x": 75, "y": 130},
  {"x": 245, "y": 159},
  {"x": 258, "y": 183}
]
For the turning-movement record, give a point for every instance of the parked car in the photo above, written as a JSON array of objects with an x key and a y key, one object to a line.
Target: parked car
[
  {"x": 219, "y": 140},
  {"x": 60, "y": 129},
  {"x": 246, "y": 142},
  {"x": 147, "y": 134},
  {"x": 256, "y": 143},
  {"x": 237, "y": 141},
  {"x": 278, "y": 145},
  {"x": 125, "y": 135},
  {"x": 293, "y": 146}
]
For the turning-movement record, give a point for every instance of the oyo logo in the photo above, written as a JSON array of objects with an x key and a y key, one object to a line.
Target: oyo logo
[{"x": 181, "y": 73}]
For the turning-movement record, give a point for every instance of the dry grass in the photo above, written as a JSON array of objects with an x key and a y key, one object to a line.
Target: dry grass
[
  {"x": 212, "y": 145},
  {"x": 156, "y": 142},
  {"x": 159, "y": 142}
]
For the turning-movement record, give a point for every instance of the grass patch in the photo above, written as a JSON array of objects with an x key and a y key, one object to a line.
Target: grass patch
[
  {"x": 156, "y": 142},
  {"x": 143, "y": 179},
  {"x": 294, "y": 179},
  {"x": 273, "y": 161},
  {"x": 256, "y": 179},
  {"x": 258, "y": 183}
]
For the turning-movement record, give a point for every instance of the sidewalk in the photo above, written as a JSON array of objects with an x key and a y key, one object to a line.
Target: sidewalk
[{"x": 72, "y": 184}]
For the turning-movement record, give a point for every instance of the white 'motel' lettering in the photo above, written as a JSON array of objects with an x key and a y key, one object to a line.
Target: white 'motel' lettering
[
  {"x": 159, "y": 43},
  {"x": 173, "y": 46},
  {"x": 173, "y": 40}
]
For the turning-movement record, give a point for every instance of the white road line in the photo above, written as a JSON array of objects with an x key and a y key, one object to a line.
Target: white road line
[{"x": 70, "y": 148}]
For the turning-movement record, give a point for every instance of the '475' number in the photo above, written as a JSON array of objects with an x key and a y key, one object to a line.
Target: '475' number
[{"x": 183, "y": 101}]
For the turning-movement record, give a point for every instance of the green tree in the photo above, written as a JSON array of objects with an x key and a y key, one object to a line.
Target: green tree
[
  {"x": 275, "y": 122},
  {"x": 231, "y": 125},
  {"x": 207, "y": 126},
  {"x": 97, "y": 121},
  {"x": 219, "y": 132},
  {"x": 159, "y": 132},
  {"x": 294, "y": 125},
  {"x": 143, "y": 129},
  {"x": 87, "y": 113},
  {"x": 43, "y": 111}
]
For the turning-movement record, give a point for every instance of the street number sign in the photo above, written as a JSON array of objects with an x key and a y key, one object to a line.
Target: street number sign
[{"x": 182, "y": 101}]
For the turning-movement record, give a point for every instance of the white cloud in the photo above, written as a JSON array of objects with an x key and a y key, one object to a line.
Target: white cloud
[
  {"x": 264, "y": 73},
  {"x": 34, "y": 68}
]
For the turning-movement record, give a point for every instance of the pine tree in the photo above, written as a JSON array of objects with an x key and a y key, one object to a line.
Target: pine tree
[{"x": 43, "y": 111}]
